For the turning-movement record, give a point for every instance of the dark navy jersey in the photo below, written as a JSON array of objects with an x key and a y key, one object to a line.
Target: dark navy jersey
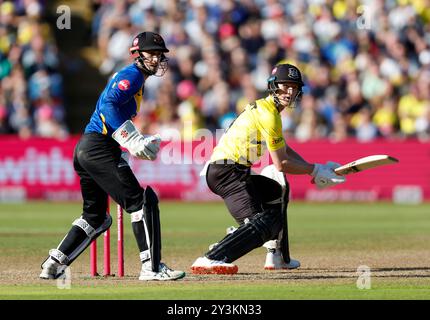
[{"x": 119, "y": 101}]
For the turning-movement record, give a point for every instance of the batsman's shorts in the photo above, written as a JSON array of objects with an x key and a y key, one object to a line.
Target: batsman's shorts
[{"x": 244, "y": 194}]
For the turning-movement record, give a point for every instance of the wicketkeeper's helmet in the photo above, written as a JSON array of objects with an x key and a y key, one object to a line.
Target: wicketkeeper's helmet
[{"x": 149, "y": 41}]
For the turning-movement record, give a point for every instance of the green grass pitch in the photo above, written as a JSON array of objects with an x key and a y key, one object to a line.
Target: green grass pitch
[{"x": 330, "y": 240}]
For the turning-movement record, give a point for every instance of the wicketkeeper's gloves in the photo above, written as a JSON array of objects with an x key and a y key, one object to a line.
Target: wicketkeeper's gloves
[{"x": 144, "y": 147}]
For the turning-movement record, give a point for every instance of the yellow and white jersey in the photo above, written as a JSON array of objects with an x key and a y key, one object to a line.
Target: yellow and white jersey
[{"x": 256, "y": 129}]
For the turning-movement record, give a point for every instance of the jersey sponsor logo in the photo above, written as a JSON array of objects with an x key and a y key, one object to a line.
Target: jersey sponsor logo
[
  {"x": 124, "y": 133},
  {"x": 124, "y": 85},
  {"x": 276, "y": 140}
]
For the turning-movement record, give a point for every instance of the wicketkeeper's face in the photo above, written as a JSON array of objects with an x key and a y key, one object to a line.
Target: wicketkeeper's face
[{"x": 152, "y": 59}]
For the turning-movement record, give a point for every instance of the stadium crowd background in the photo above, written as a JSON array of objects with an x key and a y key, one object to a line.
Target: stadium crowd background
[
  {"x": 31, "y": 100},
  {"x": 367, "y": 73}
]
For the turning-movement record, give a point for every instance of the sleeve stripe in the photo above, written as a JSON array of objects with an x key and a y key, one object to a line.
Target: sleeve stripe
[{"x": 104, "y": 124}]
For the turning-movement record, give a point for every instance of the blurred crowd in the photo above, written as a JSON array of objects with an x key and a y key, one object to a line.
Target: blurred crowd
[
  {"x": 366, "y": 63},
  {"x": 30, "y": 83}
]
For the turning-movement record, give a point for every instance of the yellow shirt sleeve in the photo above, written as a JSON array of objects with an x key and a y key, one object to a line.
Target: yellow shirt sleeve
[{"x": 270, "y": 126}]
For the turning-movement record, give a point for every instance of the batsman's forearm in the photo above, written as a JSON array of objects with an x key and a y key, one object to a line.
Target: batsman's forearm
[
  {"x": 293, "y": 155},
  {"x": 288, "y": 161},
  {"x": 297, "y": 166}
]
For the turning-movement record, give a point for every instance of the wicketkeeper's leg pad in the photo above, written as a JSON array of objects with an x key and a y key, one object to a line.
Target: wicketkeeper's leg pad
[
  {"x": 147, "y": 229},
  {"x": 77, "y": 240}
]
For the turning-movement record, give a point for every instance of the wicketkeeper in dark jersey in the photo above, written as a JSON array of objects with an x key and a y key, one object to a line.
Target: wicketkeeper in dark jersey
[{"x": 103, "y": 171}]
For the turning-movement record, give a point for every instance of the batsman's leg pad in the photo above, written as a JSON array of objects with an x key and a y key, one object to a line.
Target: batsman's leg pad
[
  {"x": 261, "y": 228},
  {"x": 283, "y": 234},
  {"x": 281, "y": 240}
]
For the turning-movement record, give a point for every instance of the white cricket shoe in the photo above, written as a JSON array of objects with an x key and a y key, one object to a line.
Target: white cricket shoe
[
  {"x": 275, "y": 261},
  {"x": 164, "y": 273},
  {"x": 204, "y": 265},
  {"x": 51, "y": 269}
]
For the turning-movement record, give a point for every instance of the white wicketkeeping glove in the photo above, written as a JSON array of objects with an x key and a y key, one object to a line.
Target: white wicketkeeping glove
[
  {"x": 324, "y": 175},
  {"x": 141, "y": 146}
]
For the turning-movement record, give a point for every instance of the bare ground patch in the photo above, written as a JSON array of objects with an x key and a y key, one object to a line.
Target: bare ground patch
[{"x": 329, "y": 268}]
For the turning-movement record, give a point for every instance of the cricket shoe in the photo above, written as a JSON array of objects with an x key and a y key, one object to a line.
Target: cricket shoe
[
  {"x": 51, "y": 269},
  {"x": 204, "y": 265},
  {"x": 164, "y": 273},
  {"x": 275, "y": 261}
]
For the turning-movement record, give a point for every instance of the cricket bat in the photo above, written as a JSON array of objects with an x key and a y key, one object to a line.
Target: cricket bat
[{"x": 365, "y": 163}]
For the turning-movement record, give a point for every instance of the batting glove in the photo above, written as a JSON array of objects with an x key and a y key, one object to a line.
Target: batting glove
[
  {"x": 325, "y": 177},
  {"x": 332, "y": 165}
]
